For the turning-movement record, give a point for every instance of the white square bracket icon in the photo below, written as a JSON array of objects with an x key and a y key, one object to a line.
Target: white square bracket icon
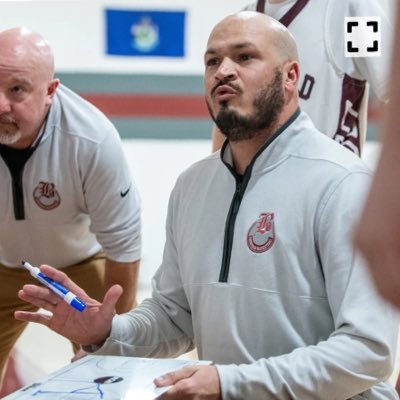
[{"x": 362, "y": 36}]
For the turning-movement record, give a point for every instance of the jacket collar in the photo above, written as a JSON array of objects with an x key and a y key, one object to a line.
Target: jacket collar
[{"x": 276, "y": 148}]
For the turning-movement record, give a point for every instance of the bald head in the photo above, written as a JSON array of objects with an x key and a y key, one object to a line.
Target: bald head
[
  {"x": 254, "y": 24},
  {"x": 27, "y": 86},
  {"x": 20, "y": 47}
]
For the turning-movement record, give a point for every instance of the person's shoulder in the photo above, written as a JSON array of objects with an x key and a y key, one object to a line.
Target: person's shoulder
[
  {"x": 202, "y": 168},
  {"x": 336, "y": 157},
  {"x": 326, "y": 152},
  {"x": 76, "y": 116},
  {"x": 209, "y": 162}
]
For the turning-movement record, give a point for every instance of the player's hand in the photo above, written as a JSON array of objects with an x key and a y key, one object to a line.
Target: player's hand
[
  {"x": 92, "y": 326},
  {"x": 191, "y": 383}
]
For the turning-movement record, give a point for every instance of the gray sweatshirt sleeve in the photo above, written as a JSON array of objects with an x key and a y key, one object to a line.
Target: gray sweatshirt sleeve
[{"x": 160, "y": 326}]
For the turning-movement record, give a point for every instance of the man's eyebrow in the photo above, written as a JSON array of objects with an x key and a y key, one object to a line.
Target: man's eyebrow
[
  {"x": 22, "y": 81},
  {"x": 19, "y": 80},
  {"x": 243, "y": 45},
  {"x": 236, "y": 46}
]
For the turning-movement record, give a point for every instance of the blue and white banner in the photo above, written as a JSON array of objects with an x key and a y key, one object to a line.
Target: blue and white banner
[{"x": 145, "y": 33}]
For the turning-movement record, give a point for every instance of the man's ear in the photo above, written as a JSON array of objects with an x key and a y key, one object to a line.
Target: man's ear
[
  {"x": 51, "y": 90},
  {"x": 292, "y": 73}
]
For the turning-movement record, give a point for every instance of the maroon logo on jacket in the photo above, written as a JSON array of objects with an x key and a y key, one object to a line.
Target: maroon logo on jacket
[
  {"x": 46, "y": 196},
  {"x": 261, "y": 235}
]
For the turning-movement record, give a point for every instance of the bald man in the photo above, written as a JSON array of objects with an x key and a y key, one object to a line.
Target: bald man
[
  {"x": 67, "y": 196},
  {"x": 258, "y": 270}
]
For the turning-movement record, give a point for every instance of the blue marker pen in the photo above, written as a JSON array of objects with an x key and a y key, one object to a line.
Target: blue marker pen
[{"x": 55, "y": 287}]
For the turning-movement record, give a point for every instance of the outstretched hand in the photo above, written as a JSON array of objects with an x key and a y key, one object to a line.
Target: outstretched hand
[{"x": 92, "y": 326}]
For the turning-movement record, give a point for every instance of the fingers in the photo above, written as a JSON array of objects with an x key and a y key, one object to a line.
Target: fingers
[
  {"x": 37, "y": 317},
  {"x": 39, "y": 296},
  {"x": 63, "y": 278},
  {"x": 110, "y": 300},
  {"x": 173, "y": 377}
]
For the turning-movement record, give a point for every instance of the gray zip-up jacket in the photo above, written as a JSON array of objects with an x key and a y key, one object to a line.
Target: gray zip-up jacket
[
  {"x": 259, "y": 273},
  {"x": 72, "y": 195}
]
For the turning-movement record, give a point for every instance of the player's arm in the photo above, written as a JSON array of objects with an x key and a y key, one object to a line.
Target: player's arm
[{"x": 378, "y": 232}]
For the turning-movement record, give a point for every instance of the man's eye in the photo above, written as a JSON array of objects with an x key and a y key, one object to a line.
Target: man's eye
[
  {"x": 211, "y": 62},
  {"x": 244, "y": 57},
  {"x": 17, "y": 89}
]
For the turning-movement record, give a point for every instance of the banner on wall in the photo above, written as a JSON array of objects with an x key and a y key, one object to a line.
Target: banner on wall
[{"x": 145, "y": 33}]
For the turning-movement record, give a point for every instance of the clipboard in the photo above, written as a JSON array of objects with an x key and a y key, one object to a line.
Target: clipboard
[{"x": 104, "y": 378}]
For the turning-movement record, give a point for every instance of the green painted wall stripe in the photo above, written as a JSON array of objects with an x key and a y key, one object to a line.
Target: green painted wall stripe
[
  {"x": 131, "y": 83},
  {"x": 163, "y": 129}
]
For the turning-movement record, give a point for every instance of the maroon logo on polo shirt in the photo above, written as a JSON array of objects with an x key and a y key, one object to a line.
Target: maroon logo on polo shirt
[
  {"x": 46, "y": 196},
  {"x": 261, "y": 235}
]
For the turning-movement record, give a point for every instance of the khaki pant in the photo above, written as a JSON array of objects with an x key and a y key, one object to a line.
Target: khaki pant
[{"x": 89, "y": 274}]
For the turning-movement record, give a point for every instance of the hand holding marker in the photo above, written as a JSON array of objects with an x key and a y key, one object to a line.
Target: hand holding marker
[{"x": 55, "y": 287}]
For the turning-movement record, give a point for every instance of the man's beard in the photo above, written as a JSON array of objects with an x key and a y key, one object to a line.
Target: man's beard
[
  {"x": 9, "y": 132},
  {"x": 268, "y": 105}
]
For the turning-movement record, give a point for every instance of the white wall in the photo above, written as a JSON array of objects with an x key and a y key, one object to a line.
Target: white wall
[{"x": 75, "y": 29}]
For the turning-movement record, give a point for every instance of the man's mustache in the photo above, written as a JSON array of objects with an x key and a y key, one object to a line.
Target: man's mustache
[
  {"x": 7, "y": 119},
  {"x": 226, "y": 83}
]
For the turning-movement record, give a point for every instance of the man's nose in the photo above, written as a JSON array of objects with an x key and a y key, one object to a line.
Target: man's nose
[
  {"x": 226, "y": 70},
  {"x": 5, "y": 106}
]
